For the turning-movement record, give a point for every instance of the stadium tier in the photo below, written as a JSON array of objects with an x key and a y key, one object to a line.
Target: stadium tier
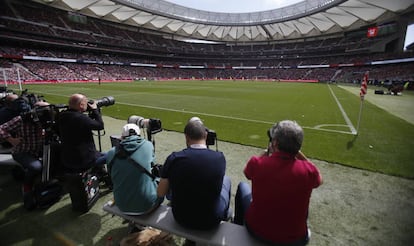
[{"x": 49, "y": 44}]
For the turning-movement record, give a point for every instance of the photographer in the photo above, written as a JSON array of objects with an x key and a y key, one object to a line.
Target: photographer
[
  {"x": 195, "y": 176},
  {"x": 78, "y": 147},
  {"x": 282, "y": 179},
  {"x": 9, "y": 110},
  {"x": 27, "y": 138},
  {"x": 134, "y": 187}
]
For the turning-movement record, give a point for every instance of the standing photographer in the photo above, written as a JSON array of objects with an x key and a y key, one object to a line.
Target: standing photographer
[
  {"x": 78, "y": 147},
  {"x": 27, "y": 138}
]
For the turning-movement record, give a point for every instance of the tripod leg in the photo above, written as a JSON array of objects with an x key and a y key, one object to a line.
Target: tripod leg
[
  {"x": 99, "y": 141},
  {"x": 46, "y": 163}
]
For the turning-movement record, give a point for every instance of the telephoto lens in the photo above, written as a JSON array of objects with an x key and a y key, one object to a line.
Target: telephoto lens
[
  {"x": 105, "y": 101},
  {"x": 137, "y": 120}
]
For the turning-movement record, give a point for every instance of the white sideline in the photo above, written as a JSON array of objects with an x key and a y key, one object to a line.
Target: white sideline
[
  {"x": 162, "y": 218},
  {"x": 346, "y": 118}
]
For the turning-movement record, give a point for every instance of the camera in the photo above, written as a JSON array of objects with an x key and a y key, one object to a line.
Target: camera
[
  {"x": 104, "y": 101},
  {"x": 211, "y": 137},
  {"x": 153, "y": 125},
  {"x": 44, "y": 115}
]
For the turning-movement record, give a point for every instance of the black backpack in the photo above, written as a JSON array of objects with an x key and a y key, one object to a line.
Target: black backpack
[{"x": 47, "y": 193}]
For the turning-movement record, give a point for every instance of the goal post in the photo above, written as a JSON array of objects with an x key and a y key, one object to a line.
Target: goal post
[
  {"x": 10, "y": 77},
  {"x": 260, "y": 77}
]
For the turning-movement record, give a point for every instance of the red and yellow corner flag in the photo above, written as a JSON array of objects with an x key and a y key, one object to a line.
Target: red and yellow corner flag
[{"x": 364, "y": 86}]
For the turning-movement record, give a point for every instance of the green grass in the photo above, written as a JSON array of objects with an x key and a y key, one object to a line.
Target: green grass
[{"x": 241, "y": 112}]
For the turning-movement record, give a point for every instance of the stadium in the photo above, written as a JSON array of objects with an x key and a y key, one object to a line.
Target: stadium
[{"x": 239, "y": 72}]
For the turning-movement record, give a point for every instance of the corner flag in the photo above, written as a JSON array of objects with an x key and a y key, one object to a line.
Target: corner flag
[
  {"x": 362, "y": 93},
  {"x": 364, "y": 86}
]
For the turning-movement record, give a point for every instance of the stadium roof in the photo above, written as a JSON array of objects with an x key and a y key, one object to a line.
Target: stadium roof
[{"x": 301, "y": 20}]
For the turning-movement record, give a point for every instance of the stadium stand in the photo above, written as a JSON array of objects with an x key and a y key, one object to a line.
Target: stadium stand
[{"x": 55, "y": 45}]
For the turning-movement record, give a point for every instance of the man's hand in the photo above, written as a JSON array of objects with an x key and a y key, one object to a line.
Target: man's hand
[
  {"x": 14, "y": 141},
  {"x": 92, "y": 105}
]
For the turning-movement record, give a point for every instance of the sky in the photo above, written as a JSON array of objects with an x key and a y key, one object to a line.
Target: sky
[
  {"x": 244, "y": 6},
  {"x": 234, "y": 6},
  {"x": 409, "y": 35}
]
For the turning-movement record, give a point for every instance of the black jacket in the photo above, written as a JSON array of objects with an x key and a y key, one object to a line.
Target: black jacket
[{"x": 78, "y": 146}]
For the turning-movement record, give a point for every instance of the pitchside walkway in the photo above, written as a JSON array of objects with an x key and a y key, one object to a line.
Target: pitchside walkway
[{"x": 352, "y": 207}]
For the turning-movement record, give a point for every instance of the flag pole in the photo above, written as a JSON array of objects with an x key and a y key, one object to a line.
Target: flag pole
[
  {"x": 362, "y": 93},
  {"x": 359, "y": 116}
]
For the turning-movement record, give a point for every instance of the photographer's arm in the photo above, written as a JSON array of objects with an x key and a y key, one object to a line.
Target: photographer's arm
[
  {"x": 301, "y": 156},
  {"x": 163, "y": 187},
  {"x": 94, "y": 121},
  {"x": 13, "y": 141},
  {"x": 9, "y": 127}
]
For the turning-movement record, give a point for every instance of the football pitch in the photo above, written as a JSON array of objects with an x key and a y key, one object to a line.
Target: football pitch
[{"x": 243, "y": 111}]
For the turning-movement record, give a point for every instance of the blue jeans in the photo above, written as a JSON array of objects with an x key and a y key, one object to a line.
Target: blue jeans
[
  {"x": 242, "y": 202},
  {"x": 223, "y": 203},
  {"x": 31, "y": 165},
  {"x": 100, "y": 159}
]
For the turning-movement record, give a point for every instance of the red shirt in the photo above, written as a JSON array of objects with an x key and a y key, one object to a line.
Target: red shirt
[{"x": 281, "y": 190}]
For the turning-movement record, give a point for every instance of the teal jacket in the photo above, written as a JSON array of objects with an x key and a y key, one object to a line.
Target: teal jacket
[{"x": 134, "y": 191}]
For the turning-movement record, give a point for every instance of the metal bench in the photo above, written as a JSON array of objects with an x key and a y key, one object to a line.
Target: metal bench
[{"x": 162, "y": 218}]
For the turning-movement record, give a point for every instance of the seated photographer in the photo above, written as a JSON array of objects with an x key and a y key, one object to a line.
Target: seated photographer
[
  {"x": 282, "y": 178},
  {"x": 129, "y": 164},
  {"x": 9, "y": 109},
  {"x": 78, "y": 152},
  {"x": 195, "y": 176},
  {"x": 27, "y": 138}
]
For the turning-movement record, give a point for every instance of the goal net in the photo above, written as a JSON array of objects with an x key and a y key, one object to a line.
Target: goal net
[{"x": 10, "y": 78}]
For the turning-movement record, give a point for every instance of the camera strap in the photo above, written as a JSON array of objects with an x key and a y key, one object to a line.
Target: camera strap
[
  {"x": 121, "y": 153},
  {"x": 137, "y": 165}
]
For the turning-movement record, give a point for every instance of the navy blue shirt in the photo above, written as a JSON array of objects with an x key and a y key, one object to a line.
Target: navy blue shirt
[{"x": 195, "y": 178}]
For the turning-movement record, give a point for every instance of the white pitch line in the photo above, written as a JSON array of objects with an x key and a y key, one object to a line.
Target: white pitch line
[
  {"x": 346, "y": 118},
  {"x": 206, "y": 114}
]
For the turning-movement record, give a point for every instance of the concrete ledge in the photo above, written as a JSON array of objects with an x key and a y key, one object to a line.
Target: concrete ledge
[{"x": 7, "y": 159}]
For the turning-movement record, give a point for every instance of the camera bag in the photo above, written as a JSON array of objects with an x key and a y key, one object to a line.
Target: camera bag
[
  {"x": 83, "y": 190},
  {"x": 47, "y": 193}
]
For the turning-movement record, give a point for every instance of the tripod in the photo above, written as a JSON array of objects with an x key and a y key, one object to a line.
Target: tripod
[{"x": 50, "y": 137}]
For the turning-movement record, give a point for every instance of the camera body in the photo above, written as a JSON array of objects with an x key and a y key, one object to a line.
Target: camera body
[
  {"x": 45, "y": 115},
  {"x": 153, "y": 125},
  {"x": 211, "y": 137}
]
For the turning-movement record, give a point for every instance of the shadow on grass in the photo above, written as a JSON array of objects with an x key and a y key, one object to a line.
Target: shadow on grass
[
  {"x": 350, "y": 144},
  {"x": 57, "y": 225}
]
